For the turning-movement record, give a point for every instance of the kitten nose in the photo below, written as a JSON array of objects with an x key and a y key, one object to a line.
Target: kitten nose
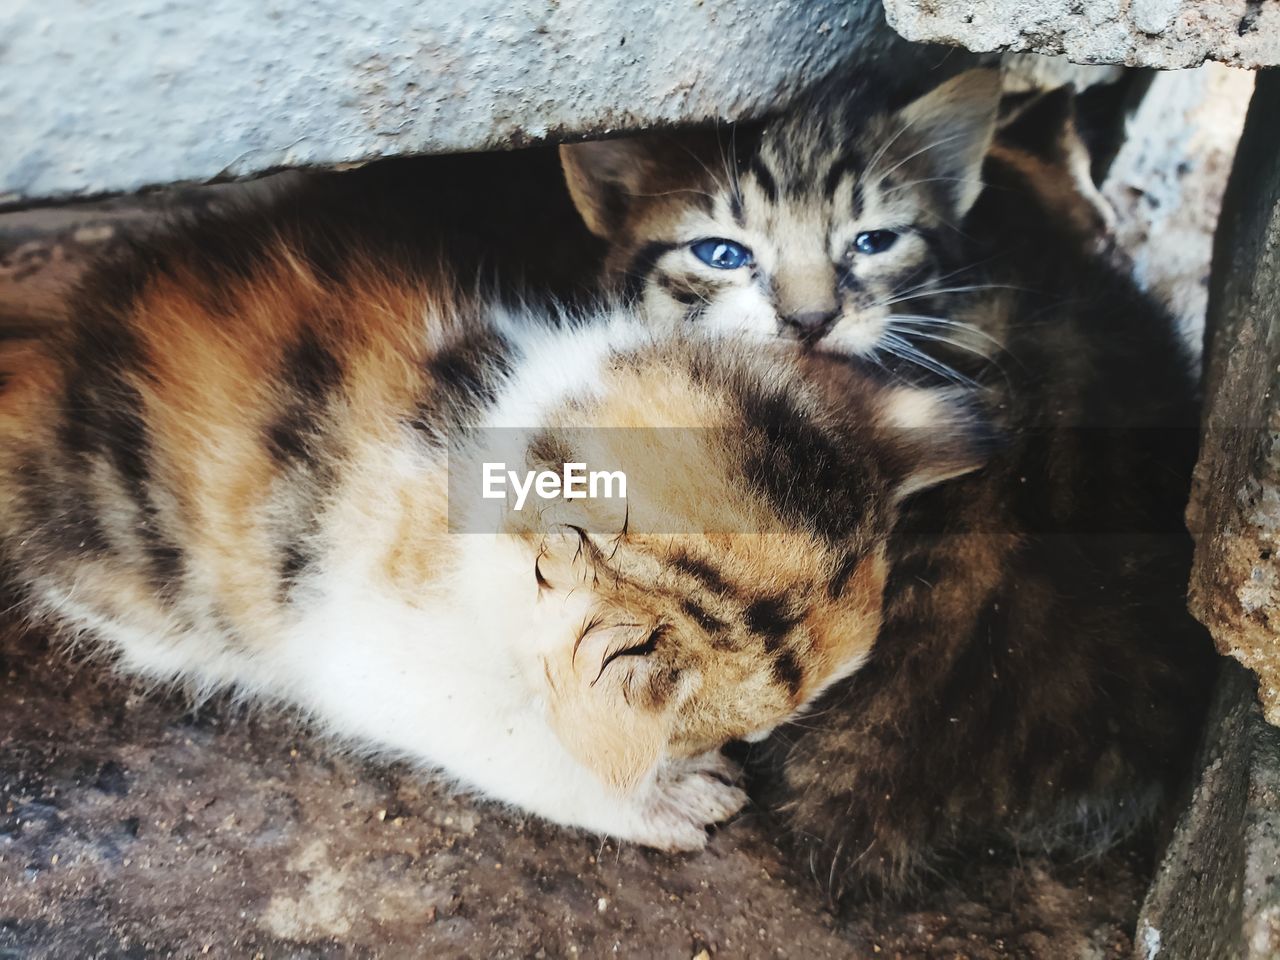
[{"x": 808, "y": 324}]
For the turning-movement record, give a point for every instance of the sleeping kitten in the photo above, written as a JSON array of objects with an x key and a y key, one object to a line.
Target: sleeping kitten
[
  {"x": 1036, "y": 677},
  {"x": 236, "y": 467}
]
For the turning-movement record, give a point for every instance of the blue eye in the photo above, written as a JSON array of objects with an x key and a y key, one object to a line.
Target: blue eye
[
  {"x": 721, "y": 254},
  {"x": 874, "y": 241}
]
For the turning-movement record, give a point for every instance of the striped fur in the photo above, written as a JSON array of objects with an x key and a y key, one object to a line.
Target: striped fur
[
  {"x": 797, "y": 194},
  {"x": 230, "y": 469},
  {"x": 1036, "y": 679}
]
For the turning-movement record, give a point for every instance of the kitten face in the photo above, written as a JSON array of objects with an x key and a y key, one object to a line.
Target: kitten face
[
  {"x": 823, "y": 230},
  {"x": 699, "y": 642},
  {"x": 744, "y": 573}
]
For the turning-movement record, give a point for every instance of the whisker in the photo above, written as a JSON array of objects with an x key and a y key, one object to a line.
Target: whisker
[
  {"x": 972, "y": 288},
  {"x": 912, "y": 156},
  {"x": 671, "y": 193},
  {"x": 874, "y": 357},
  {"x": 903, "y": 350},
  {"x": 909, "y": 331},
  {"x": 912, "y": 319},
  {"x": 835, "y": 861},
  {"x": 731, "y": 168},
  {"x": 879, "y": 155},
  {"x": 707, "y": 170},
  {"x": 946, "y": 276},
  {"x": 912, "y": 183},
  {"x": 990, "y": 358}
]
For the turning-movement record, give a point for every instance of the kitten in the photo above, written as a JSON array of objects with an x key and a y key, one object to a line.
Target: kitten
[
  {"x": 236, "y": 467},
  {"x": 837, "y": 221},
  {"x": 1036, "y": 677}
]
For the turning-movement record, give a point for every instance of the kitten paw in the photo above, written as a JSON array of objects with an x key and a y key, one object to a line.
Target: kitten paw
[{"x": 687, "y": 797}]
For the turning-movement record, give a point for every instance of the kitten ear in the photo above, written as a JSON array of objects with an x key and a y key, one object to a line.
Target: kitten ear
[
  {"x": 1042, "y": 124},
  {"x": 934, "y": 435},
  {"x": 954, "y": 123},
  {"x": 1045, "y": 130},
  {"x": 603, "y": 175}
]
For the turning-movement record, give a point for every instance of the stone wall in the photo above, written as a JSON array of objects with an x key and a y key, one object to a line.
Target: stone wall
[
  {"x": 1235, "y": 510},
  {"x": 1217, "y": 894},
  {"x": 1166, "y": 184}
]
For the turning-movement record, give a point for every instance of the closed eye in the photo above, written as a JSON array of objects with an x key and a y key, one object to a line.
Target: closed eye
[
  {"x": 642, "y": 649},
  {"x": 721, "y": 254}
]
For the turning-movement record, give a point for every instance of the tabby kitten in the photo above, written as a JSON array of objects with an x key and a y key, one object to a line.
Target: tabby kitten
[
  {"x": 1036, "y": 678},
  {"x": 236, "y": 468},
  {"x": 837, "y": 221}
]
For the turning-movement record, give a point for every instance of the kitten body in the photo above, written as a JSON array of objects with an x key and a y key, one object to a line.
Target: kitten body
[
  {"x": 1036, "y": 677},
  {"x": 231, "y": 469}
]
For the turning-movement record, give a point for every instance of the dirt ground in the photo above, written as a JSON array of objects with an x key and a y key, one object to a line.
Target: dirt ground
[{"x": 132, "y": 825}]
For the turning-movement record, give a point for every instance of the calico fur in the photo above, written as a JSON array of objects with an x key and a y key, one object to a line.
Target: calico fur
[{"x": 231, "y": 470}]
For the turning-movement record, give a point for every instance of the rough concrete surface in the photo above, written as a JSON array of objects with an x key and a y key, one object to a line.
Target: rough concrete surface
[
  {"x": 1170, "y": 34},
  {"x": 1217, "y": 892},
  {"x": 133, "y": 827},
  {"x": 1167, "y": 180},
  {"x": 1235, "y": 509},
  {"x": 113, "y": 97}
]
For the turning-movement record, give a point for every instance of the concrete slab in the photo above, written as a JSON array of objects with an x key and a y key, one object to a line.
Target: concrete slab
[
  {"x": 1169, "y": 34},
  {"x": 98, "y": 98}
]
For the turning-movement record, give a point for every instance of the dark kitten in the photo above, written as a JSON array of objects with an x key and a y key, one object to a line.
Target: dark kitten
[{"x": 1037, "y": 677}]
